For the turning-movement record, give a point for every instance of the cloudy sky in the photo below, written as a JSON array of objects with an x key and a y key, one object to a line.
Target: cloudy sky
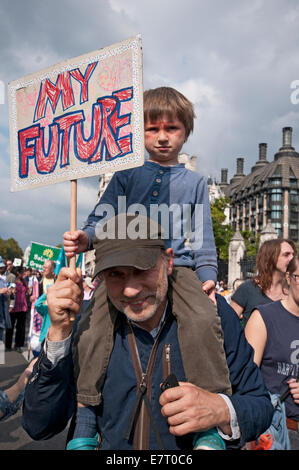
[{"x": 234, "y": 59}]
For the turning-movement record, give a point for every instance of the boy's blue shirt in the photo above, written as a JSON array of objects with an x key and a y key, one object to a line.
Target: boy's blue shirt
[{"x": 178, "y": 188}]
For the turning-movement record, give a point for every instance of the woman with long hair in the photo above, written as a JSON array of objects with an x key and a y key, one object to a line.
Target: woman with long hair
[
  {"x": 273, "y": 332},
  {"x": 267, "y": 285}
]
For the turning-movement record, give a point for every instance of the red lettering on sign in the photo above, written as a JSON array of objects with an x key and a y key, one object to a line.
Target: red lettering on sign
[
  {"x": 26, "y": 150},
  {"x": 46, "y": 163},
  {"x": 65, "y": 123},
  {"x": 51, "y": 92},
  {"x": 108, "y": 137},
  {"x": 83, "y": 79},
  {"x": 84, "y": 149}
]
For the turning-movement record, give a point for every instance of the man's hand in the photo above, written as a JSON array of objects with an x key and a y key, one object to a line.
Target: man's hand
[
  {"x": 209, "y": 288},
  {"x": 64, "y": 300},
  {"x": 75, "y": 242},
  {"x": 189, "y": 408},
  {"x": 294, "y": 389}
]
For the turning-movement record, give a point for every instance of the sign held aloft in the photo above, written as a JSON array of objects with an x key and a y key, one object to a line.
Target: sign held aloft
[
  {"x": 79, "y": 118},
  {"x": 40, "y": 253}
]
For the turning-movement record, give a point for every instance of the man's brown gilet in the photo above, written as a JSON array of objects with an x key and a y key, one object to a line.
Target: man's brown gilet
[{"x": 199, "y": 333}]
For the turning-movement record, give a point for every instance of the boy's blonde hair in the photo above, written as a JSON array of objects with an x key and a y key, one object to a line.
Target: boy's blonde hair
[{"x": 166, "y": 101}]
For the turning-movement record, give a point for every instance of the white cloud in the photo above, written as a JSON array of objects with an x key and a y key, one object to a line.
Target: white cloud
[
  {"x": 127, "y": 9},
  {"x": 200, "y": 92}
]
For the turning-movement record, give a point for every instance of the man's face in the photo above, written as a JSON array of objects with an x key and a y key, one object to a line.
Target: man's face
[
  {"x": 140, "y": 294},
  {"x": 164, "y": 139},
  {"x": 8, "y": 265},
  {"x": 285, "y": 256},
  {"x": 47, "y": 269}
]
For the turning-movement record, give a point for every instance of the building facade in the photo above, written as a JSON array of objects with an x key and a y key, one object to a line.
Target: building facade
[{"x": 269, "y": 194}]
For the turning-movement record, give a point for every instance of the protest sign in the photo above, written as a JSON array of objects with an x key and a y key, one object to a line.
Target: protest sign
[
  {"x": 17, "y": 262},
  {"x": 40, "y": 253},
  {"x": 79, "y": 118}
]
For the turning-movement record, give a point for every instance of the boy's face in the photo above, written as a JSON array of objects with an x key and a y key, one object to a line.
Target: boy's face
[{"x": 164, "y": 139}]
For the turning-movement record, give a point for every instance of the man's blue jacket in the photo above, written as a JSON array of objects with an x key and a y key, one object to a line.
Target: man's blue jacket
[{"x": 50, "y": 394}]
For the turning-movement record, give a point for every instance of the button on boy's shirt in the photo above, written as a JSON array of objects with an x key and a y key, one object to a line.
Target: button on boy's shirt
[{"x": 177, "y": 189}]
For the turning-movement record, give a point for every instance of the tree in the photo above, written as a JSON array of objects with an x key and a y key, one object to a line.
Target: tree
[
  {"x": 222, "y": 232},
  {"x": 251, "y": 242},
  {"x": 10, "y": 249}
]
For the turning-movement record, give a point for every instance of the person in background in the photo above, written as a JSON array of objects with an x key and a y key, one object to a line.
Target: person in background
[
  {"x": 36, "y": 320},
  {"x": 88, "y": 288},
  {"x": 225, "y": 292},
  {"x": 40, "y": 321},
  {"x": 10, "y": 276},
  {"x": 18, "y": 314},
  {"x": 42, "y": 308},
  {"x": 48, "y": 276},
  {"x": 28, "y": 280},
  {"x": 5, "y": 321},
  {"x": 11, "y": 399},
  {"x": 272, "y": 330},
  {"x": 220, "y": 287},
  {"x": 272, "y": 260},
  {"x": 2, "y": 270},
  {"x": 236, "y": 284},
  {"x": 11, "y": 296}
]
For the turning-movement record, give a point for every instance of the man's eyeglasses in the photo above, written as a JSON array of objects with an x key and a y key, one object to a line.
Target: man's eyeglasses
[{"x": 296, "y": 277}]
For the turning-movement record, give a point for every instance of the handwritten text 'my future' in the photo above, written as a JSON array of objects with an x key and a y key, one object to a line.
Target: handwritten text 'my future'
[{"x": 106, "y": 141}]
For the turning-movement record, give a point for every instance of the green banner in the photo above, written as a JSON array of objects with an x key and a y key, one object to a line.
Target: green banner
[{"x": 41, "y": 253}]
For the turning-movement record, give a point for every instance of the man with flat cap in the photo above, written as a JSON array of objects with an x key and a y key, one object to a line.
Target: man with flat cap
[{"x": 133, "y": 348}]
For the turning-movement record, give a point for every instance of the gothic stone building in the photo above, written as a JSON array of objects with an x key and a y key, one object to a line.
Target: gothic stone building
[{"x": 269, "y": 194}]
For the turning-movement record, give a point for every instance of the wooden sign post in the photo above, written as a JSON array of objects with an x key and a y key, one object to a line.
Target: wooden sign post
[
  {"x": 73, "y": 224},
  {"x": 73, "y": 217}
]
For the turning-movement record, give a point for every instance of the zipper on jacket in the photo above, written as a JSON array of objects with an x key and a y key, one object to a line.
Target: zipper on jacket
[
  {"x": 166, "y": 361},
  {"x": 143, "y": 389},
  {"x": 35, "y": 376}
]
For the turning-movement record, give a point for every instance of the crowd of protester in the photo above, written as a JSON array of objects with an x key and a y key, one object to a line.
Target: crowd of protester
[
  {"x": 23, "y": 303},
  {"x": 24, "y": 319}
]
